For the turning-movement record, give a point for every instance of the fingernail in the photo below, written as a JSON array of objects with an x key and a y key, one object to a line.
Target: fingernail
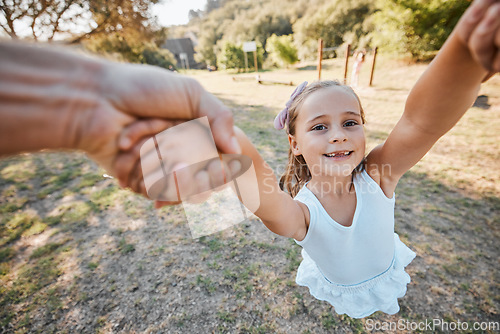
[
  {"x": 236, "y": 145},
  {"x": 125, "y": 143}
]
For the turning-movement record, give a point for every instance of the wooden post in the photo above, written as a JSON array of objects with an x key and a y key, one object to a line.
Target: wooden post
[
  {"x": 255, "y": 61},
  {"x": 347, "y": 54},
  {"x": 320, "y": 56},
  {"x": 373, "y": 65},
  {"x": 246, "y": 62}
]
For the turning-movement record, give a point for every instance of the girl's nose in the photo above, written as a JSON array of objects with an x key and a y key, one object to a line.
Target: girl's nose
[{"x": 337, "y": 136}]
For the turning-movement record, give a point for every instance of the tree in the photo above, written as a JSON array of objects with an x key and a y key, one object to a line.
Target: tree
[
  {"x": 41, "y": 19},
  {"x": 74, "y": 20},
  {"x": 269, "y": 23},
  {"x": 336, "y": 22},
  {"x": 240, "y": 21},
  {"x": 194, "y": 14},
  {"x": 281, "y": 50},
  {"x": 206, "y": 48},
  {"x": 131, "y": 49},
  {"x": 231, "y": 56},
  {"x": 418, "y": 27}
]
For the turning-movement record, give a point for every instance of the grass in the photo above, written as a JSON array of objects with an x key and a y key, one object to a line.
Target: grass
[
  {"x": 125, "y": 247},
  {"x": 13, "y": 226},
  {"x": 71, "y": 240}
]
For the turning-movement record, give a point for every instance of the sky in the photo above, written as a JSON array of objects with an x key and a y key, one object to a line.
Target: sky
[{"x": 174, "y": 12}]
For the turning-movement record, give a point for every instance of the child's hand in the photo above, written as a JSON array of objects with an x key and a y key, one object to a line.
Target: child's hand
[
  {"x": 191, "y": 179},
  {"x": 479, "y": 29}
]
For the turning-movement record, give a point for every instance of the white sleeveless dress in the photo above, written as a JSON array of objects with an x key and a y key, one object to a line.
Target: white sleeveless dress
[{"x": 357, "y": 269}]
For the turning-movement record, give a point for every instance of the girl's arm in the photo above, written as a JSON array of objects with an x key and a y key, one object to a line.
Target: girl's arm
[
  {"x": 278, "y": 211},
  {"x": 441, "y": 96}
]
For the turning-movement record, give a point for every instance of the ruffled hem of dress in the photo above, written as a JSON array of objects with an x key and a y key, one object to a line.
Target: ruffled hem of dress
[{"x": 380, "y": 293}]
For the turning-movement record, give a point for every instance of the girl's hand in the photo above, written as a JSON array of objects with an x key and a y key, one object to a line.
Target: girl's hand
[{"x": 479, "y": 30}]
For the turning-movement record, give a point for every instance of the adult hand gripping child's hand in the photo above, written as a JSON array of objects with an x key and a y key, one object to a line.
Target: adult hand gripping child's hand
[
  {"x": 479, "y": 30},
  {"x": 178, "y": 150}
]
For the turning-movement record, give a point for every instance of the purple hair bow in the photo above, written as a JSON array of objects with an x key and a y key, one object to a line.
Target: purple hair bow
[{"x": 282, "y": 118}]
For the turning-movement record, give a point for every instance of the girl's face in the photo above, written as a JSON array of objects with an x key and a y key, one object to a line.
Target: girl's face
[{"x": 329, "y": 132}]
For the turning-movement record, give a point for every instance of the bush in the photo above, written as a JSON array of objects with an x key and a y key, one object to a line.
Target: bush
[
  {"x": 337, "y": 22},
  {"x": 281, "y": 50},
  {"x": 153, "y": 55},
  {"x": 231, "y": 56},
  {"x": 416, "y": 27}
]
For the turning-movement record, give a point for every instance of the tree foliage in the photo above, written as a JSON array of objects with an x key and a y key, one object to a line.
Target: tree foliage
[
  {"x": 131, "y": 48},
  {"x": 124, "y": 29},
  {"x": 41, "y": 19},
  {"x": 207, "y": 44},
  {"x": 231, "y": 56},
  {"x": 336, "y": 22},
  {"x": 241, "y": 21},
  {"x": 75, "y": 20},
  {"x": 281, "y": 50},
  {"x": 417, "y": 27}
]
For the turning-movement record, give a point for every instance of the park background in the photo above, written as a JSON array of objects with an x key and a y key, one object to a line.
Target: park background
[{"x": 79, "y": 254}]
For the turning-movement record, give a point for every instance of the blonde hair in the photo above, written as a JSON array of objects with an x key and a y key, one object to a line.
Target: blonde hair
[{"x": 297, "y": 173}]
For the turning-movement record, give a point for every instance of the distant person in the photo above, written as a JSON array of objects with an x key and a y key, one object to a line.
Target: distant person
[
  {"x": 359, "y": 59},
  {"x": 339, "y": 202},
  {"x": 54, "y": 99}
]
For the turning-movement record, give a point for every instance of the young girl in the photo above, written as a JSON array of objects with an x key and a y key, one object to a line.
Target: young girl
[
  {"x": 339, "y": 202},
  {"x": 359, "y": 59}
]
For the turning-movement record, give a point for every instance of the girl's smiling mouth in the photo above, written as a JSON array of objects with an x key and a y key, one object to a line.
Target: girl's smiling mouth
[{"x": 338, "y": 154}]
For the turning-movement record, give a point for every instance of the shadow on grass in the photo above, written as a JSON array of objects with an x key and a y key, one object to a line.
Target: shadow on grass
[
  {"x": 482, "y": 102},
  {"x": 308, "y": 68}
]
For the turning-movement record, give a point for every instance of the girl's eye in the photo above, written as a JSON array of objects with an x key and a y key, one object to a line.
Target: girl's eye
[
  {"x": 318, "y": 127},
  {"x": 350, "y": 123}
]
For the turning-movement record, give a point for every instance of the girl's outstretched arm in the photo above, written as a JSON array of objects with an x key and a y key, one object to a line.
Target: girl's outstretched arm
[
  {"x": 441, "y": 96},
  {"x": 278, "y": 211}
]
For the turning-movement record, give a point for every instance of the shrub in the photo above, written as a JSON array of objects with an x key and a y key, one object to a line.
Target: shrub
[{"x": 281, "y": 50}]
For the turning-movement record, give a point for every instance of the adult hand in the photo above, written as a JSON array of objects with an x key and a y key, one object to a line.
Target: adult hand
[
  {"x": 55, "y": 99},
  {"x": 147, "y": 91},
  {"x": 186, "y": 149}
]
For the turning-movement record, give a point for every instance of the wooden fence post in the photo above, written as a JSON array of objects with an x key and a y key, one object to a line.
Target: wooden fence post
[
  {"x": 347, "y": 54},
  {"x": 255, "y": 61},
  {"x": 320, "y": 56},
  {"x": 246, "y": 62},
  {"x": 373, "y": 65}
]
